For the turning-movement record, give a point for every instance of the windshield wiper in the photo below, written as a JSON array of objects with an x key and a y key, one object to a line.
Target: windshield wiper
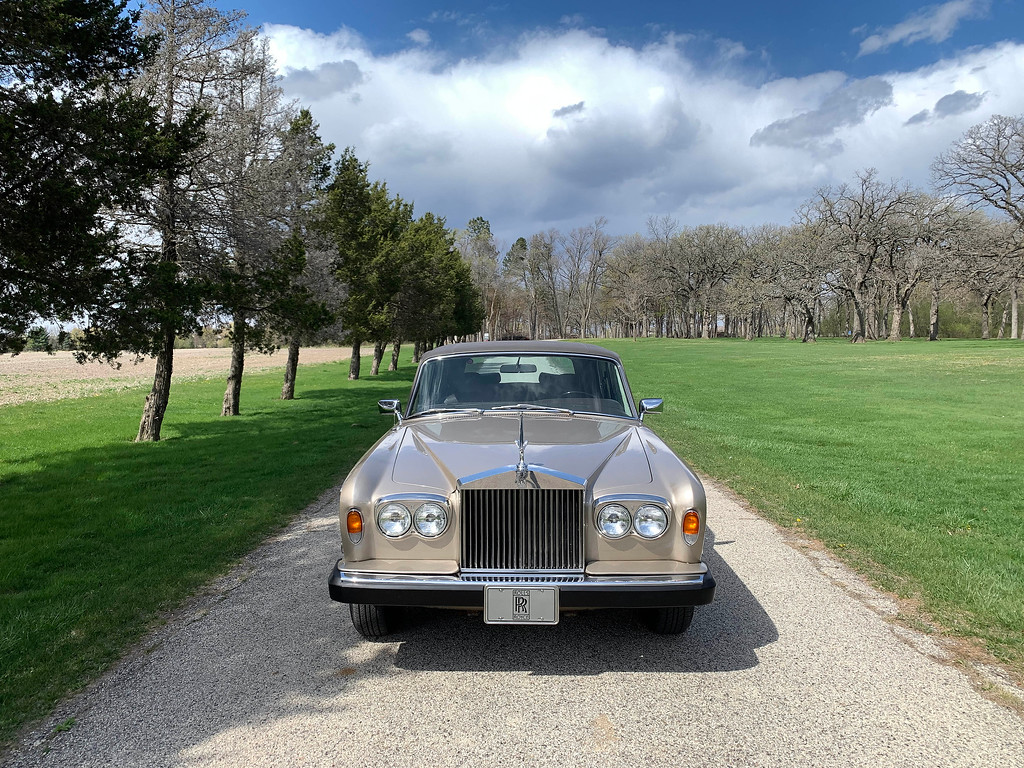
[
  {"x": 530, "y": 407},
  {"x": 429, "y": 411}
]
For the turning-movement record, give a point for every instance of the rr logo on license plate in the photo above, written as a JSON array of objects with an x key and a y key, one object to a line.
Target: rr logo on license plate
[{"x": 521, "y": 604}]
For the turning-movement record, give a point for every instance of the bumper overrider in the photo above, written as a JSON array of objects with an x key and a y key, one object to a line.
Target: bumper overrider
[{"x": 647, "y": 591}]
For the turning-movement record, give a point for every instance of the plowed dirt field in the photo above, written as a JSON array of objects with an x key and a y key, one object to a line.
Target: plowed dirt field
[{"x": 39, "y": 376}]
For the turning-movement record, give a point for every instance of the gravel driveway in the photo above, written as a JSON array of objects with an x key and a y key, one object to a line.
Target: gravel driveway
[{"x": 785, "y": 668}]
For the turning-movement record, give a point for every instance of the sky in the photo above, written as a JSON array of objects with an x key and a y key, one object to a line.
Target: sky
[{"x": 539, "y": 115}]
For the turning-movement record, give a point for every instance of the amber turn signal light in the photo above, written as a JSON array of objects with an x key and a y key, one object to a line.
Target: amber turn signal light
[
  {"x": 354, "y": 522},
  {"x": 691, "y": 522}
]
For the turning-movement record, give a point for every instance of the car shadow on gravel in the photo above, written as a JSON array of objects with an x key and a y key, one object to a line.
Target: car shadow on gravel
[
  {"x": 264, "y": 653},
  {"x": 724, "y": 637}
]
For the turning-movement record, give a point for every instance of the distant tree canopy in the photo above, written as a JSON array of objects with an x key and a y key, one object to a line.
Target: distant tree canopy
[
  {"x": 865, "y": 259},
  {"x": 74, "y": 140}
]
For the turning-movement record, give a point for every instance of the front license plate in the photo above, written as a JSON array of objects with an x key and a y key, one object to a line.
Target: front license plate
[{"x": 521, "y": 605}]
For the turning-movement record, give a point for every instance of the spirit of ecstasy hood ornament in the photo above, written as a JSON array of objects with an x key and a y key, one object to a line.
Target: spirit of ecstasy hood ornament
[{"x": 522, "y": 471}]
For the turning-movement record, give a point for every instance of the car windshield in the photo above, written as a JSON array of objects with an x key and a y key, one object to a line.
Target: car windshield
[{"x": 573, "y": 382}]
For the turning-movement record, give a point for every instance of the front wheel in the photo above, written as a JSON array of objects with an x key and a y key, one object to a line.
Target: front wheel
[
  {"x": 669, "y": 621},
  {"x": 373, "y": 621}
]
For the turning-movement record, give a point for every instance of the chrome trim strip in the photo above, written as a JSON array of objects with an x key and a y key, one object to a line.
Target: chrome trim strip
[
  {"x": 588, "y": 582},
  {"x": 643, "y": 498},
  {"x": 513, "y": 468},
  {"x": 397, "y": 579},
  {"x": 391, "y": 497}
]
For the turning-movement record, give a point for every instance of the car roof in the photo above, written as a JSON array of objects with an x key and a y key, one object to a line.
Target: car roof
[{"x": 525, "y": 347}]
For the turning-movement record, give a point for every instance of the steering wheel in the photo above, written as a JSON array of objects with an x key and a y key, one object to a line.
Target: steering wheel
[{"x": 576, "y": 393}]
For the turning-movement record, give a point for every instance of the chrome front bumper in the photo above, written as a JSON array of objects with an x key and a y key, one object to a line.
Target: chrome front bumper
[{"x": 647, "y": 591}]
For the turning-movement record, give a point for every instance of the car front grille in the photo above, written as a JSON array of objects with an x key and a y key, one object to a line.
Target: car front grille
[{"x": 522, "y": 529}]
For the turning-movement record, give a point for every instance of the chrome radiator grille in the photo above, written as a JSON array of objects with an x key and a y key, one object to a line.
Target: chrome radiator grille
[{"x": 522, "y": 529}]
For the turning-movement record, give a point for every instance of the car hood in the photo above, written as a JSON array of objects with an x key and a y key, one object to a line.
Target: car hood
[{"x": 439, "y": 453}]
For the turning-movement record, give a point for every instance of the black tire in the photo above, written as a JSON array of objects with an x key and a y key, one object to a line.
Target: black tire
[
  {"x": 670, "y": 621},
  {"x": 373, "y": 621}
]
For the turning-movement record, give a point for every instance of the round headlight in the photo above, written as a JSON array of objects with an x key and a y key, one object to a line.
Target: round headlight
[
  {"x": 393, "y": 520},
  {"x": 613, "y": 521},
  {"x": 650, "y": 521},
  {"x": 430, "y": 519}
]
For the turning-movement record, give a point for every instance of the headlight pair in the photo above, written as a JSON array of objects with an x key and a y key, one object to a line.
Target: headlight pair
[
  {"x": 430, "y": 519},
  {"x": 615, "y": 521}
]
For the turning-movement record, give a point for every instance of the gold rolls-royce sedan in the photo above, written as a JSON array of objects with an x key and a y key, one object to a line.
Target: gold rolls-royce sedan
[{"x": 521, "y": 481}]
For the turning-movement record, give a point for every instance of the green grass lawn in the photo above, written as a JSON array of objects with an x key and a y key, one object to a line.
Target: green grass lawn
[
  {"x": 98, "y": 534},
  {"x": 907, "y": 459}
]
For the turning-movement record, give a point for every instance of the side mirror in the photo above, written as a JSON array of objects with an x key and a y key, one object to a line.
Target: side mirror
[
  {"x": 650, "y": 405},
  {"x": 391, "y": 406}
]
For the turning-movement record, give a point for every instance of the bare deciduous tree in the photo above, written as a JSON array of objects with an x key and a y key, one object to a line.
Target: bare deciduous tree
[
  {"x": 860, "y": 227},
  {"x": 986, "y": 168},
  {"x": 631, "y": 282}
]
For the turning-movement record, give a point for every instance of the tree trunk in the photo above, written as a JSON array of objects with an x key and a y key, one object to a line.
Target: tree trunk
[
  {"x": 233, "y": 393},
  {"x": 871, "y": 317},
  {"x": 897, "y": 320},
  {"x": 156, "y": 401},
  {"x": 1002, "y": 323},
  {"x": 378, "y": 355},
  {"x": 933, "y": 313},
  {"x": 396, "y": 348},
  {"x": 417, "y": 351},
  {"x": 986, "y": 305},
  {"x": 808, "y": 325},
  {"x": 291, "y": 367},
  {"x": 353, "y": 364},
  {"x": 910, "y": 318},
  {"x": 1014, "y": 298},
  {"x": 859, "y": 320}
]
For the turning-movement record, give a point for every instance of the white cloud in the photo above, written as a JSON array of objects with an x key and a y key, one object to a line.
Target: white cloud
[
  {"x": 567, "y": 126},
  {"x": 933, "y": 22},
  {"x": 419, "y": 36}
]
